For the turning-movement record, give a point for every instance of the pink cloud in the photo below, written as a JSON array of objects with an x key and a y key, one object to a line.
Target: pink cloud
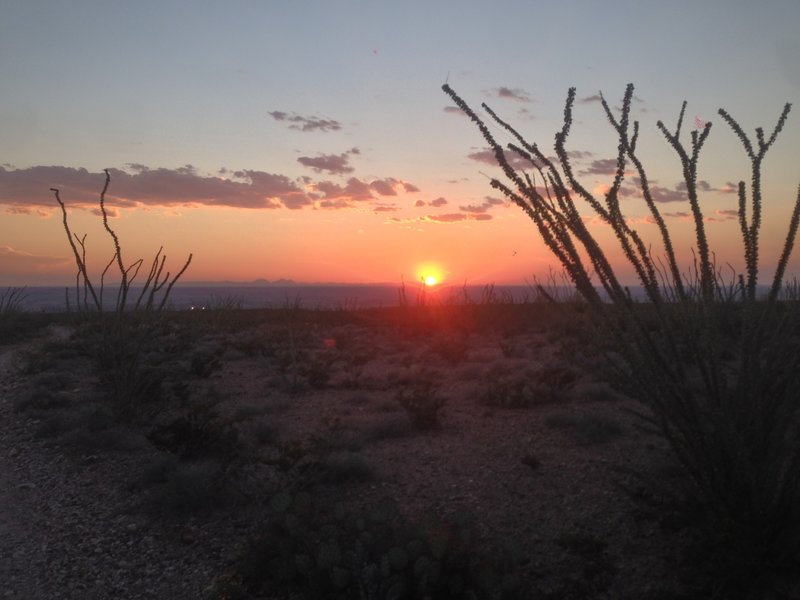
[
  {"x": 354, "y": 190},
  {"x": 19, "y": 262},
  {"x": 517, "y": 94},
  {"x": 79, "y": 188},
  {"x": 27, "y": 191},
  {"x": 482, "y": 208},
  {"x": 454, "y": 110},
  {"x": 602, "y": 166},
  {"x": 336, "y": 164},
  {"x": 487, "y": 157},
  {"x": 335, "y": 204},
  {"x": 440, "y": 201},
  {"x": 300, "y": 123}
]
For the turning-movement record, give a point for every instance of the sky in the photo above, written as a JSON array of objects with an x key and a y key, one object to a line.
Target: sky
[{"x": 311, "y": 140}]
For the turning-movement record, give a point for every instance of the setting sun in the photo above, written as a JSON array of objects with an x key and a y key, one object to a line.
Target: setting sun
[{"x": 429, "y": 274}]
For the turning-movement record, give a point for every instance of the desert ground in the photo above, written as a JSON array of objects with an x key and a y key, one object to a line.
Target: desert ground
[{"x": 454, "y": 451}]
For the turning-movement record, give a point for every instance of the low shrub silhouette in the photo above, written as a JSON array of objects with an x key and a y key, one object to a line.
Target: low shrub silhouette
[{"x": 323, "y": 550}]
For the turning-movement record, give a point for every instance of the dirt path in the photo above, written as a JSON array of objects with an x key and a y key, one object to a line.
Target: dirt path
[
  {"x": 23, "y": 537},
  {"x": 68, "y": 526}
]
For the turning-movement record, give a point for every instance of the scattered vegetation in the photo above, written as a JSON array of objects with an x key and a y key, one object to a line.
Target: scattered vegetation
[
  {"x": 323, "y": 550},
  {"x": 714, "y": 363},
  {"x": 587, "y": 428},
  {"x": 422, "y": 402}
]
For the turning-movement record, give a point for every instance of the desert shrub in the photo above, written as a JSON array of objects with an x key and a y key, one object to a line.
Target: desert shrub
[
  {"x": 320, "y": 549},
  {"x": 387, "y": 427},
  {"x": 198, "y": 430},
  {"x": 344, "y": 467},
  {"x": 715, "y": 365},
  {"x": 595, "y": 571},
  {"x": 264, "y": 431},
  {"x": 422, "y": 402},
  {"x": 509, "y": 390},
  {"x": 530, "y": 460},
  {"x": 131, "y": 359},
  {"x": 526, "y": 388},
  {"x": 11, "y": 301},
  {"x": 587, "y": 428},
  {"x": 450, "y": 347},
  {"x": 15, "y": 322},
  {"x": 183, "y": 486},
  {"x": 205, "y": 361}
]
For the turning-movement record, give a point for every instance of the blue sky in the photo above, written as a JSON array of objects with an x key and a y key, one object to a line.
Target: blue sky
[{"x": 227, "y": 88}]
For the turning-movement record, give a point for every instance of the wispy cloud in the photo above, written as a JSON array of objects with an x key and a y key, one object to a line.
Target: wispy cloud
[
  {"x": 487, "y": 157},
  {"x": 509, "y": 93},
  {"x": 443, "y": 218},
  {"x": 454, "y": 110},
  {"x": 483, "y": 207},
  {"x": 19, "y": 262},
  {"x": 301, "y": 123},
  {"x": 335, "y": 164},
  {"x": 602, "y": 166}
]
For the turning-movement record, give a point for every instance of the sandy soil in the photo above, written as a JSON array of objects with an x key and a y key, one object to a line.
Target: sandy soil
[{"x": 544, "y": 475}]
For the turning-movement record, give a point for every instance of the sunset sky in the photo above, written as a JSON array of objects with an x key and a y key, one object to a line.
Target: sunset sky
[{"x": 311, "y": 140}]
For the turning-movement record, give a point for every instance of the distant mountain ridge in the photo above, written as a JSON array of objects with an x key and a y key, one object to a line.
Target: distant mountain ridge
[{"x": 267, "y": 283}]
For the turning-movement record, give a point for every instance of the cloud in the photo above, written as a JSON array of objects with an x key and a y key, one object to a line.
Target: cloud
[
  {"x": 300, "y": 123},
  {"x": 602, "y": 166},
  {"x": 457, "y": 217},
  {"x": 444, "y": 218},
  {"x": 487, "y": 157},
  {"x": 484, "y": 207},
  {"x": 336, "y": 164},
  {"x": 419, "y": 203},
  {"x": 681, "y": 214},
  {"x": 440, "y": 201},
  {"x": 454, "y": 110},
  {"x": 728, "y": 214},
  {"x": 29, "y": 188},
  {"x": 517, "y": 94},
  {"x": 111, "y": 212},
  {"x": 335, "y": 204},
  {"x": 702, "y": 185},
  {"x": 19, "y": 262},
  {"x": 590, "y": 99},
  {"x": 26, "y": 191},
  {"x": 355, "y": 190},
  {"x": 389, "y": 186},
  {"x": 384, "y": 208}
]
